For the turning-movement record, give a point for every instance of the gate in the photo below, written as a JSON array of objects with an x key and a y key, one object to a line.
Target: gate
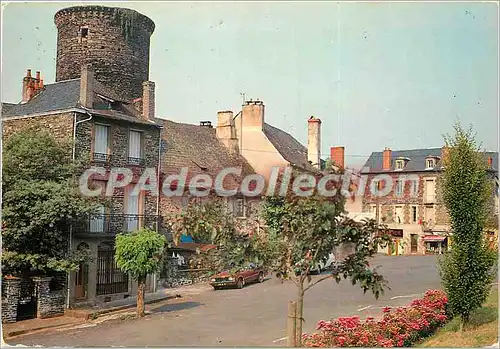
[
  {"x": 26, "y": 306},
  {"x": 110, "y": 279}
]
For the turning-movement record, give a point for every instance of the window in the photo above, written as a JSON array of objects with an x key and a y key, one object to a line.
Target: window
[
  {"x": 398, "y": 214},
  {"x": 101, "y": 143},
  {"x": 429, "y": 191},
  {"x": 430, "y": 163},
  {"x": 135, "y": 148},
  {"x": 429, "y": 215},
  {"x": 83, "y": 33},
  {"x": 239, "y": 208},
  {"x": 414, "y": 188},
  {"x": 400, "y": 164},
  {"x": 398, "y": 190},
  {"x": 414, "y": 215}
]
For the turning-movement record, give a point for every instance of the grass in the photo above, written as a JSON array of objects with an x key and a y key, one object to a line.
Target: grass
[{"x": 482, "y": 330}]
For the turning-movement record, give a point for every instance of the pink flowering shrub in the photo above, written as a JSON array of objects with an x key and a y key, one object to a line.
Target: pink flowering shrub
[{"x": 401, "y": 327}]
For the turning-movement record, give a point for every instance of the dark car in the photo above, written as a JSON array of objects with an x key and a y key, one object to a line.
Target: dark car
[{"x": 238, "y": 278}]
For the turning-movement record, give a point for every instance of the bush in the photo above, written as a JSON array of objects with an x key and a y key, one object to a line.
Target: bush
[{"x": 402, "y": 327}]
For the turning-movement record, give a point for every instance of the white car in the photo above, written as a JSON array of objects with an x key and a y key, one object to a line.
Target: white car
[{"x": 324, "y": 264}]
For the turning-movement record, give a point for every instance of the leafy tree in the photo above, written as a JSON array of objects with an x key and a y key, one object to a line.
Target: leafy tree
[
  {"x": 212, "y": 222},
  {"x": 467, "y": 270},
  {"x": 140, "y": 254},
  {"x": 303, "y": 230},
  {"x": 40, "y": 201}
]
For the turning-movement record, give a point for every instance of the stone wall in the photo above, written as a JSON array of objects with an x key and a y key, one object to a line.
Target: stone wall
[
  {"x": 117, "y": 45},
  {"x": 60, "y": 126},
  {"x": 119, "y": 134},
  {"x": 172, "y": 276},
  {"x": 49, "y": 303},
  {"x": 10, "y": 297}
]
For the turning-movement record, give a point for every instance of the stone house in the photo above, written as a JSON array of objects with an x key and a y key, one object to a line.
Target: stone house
[
  {"x": 413, "y": 207},
  {"x": 103, "y": 102},
  {"x": 197, "y": 149}
]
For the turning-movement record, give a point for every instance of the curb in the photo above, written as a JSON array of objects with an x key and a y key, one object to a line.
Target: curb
[
  {"x": 91, "y": 315},
  {"x": 17, "y": 333}
]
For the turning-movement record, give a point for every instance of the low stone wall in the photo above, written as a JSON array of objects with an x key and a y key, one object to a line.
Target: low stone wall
[
  {"x": 49, "y": 303},
  {"x": 173, "y": 276}
]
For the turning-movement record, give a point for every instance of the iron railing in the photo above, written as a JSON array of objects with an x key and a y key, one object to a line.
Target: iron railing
[
  {"x": 116, "y": 223},
  {"x": 101, "y": 157},
  {"x": 136, "y": 161}
]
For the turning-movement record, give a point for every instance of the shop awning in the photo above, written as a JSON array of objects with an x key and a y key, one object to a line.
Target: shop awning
[{"x": 434, "y": 238}]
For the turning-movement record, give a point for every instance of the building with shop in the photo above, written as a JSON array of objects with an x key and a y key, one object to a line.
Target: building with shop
[{"x": 412, "y": 206}]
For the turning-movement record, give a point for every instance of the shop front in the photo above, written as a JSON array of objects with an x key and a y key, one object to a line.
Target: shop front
[
  {"x": 396, "y": 248},
  {"x": 435, "y": 243}
]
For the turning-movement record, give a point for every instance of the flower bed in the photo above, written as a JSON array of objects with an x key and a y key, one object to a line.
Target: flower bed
[{"x": 401, "y": 327}]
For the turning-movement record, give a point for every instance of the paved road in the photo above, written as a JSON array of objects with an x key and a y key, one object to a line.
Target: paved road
[{"x": 253, "y": 316}]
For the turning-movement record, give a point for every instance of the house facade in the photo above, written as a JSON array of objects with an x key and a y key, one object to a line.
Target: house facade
[
  {"x": 104, "y": 104},
  {"x": 412, "y": 206}
]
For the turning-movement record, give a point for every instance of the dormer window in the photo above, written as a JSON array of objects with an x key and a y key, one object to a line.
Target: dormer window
[
  {"x": 430, "y": 163},
  {"x": 400, "y": 164}
]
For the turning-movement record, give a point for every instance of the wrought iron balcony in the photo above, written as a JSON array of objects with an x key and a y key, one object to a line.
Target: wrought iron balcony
[
  {"x": 111, "y": 224},
  {"x": 101, "y": 157},
  {"x": 136, "y": 161}
]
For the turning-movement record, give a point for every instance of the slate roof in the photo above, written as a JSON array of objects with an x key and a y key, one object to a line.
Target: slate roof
[
  {"x": 291, "y": 149},
  {"x": 58, "y": 96},
  {"x": 198, "y": 148},
  {"x": 65, "y": 95},
  {"x": 415, "y": 164}
]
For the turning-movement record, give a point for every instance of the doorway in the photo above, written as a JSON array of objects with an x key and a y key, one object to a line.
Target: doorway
[
  {"x": 82, "y": 275},
  {"x": 414, "y": 243}
]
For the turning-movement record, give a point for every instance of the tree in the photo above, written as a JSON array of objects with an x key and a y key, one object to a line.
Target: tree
[
  {"x": 212, "y": 222},
  {"x": 467, "y": 270},
  {"x": 140, "y": 254},
  {"x": 303, "y": 230},
  {"x": 40, "y": 201}
]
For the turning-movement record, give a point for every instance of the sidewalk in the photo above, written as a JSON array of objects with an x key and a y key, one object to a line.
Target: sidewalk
[{"x": 74, "y": 317}]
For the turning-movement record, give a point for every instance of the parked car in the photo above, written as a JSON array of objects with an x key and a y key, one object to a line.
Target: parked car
[
  {"x": 325, "y": 263},
  {"x": 238, "y": 278}
]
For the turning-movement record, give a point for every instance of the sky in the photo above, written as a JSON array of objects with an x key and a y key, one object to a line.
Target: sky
[{"x": 396, "y": 75}]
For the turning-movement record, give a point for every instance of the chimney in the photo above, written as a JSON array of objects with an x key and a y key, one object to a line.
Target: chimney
[
  {"x": 226, "y": 130},
  {"x": 148, "y": 100},
  {"x": 337, "y": 156},
  {"x": 314, "y": 141},
  {"x": 87, "y": 86},
  {"x": 31, "y": 86},
  {"x": 444, "y": 155},
  {"x": 386, "y": 159},
  {"x": 252, "y": 114}
]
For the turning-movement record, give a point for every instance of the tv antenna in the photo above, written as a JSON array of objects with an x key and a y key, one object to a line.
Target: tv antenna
[{"x": 243, "y": 97}]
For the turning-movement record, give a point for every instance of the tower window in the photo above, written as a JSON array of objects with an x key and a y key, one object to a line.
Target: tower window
[{"x": 84, "y": 32}]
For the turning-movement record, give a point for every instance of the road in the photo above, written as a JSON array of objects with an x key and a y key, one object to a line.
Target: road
[{"x": 252, "y": 316}]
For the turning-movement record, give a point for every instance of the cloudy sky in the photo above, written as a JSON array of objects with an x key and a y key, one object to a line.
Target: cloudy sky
[{"x": 395, "y": 75}]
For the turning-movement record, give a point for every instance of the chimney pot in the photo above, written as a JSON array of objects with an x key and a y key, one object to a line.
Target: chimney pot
[
  {"x": 490, "y": 162},
  {"x": 37, "y": 75},
  {"x": 40, "y": 85},
  {"x": 28, "y": 73}
]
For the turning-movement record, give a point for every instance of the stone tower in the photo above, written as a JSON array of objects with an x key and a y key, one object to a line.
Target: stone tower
[{"x": 114, "y": 40}]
